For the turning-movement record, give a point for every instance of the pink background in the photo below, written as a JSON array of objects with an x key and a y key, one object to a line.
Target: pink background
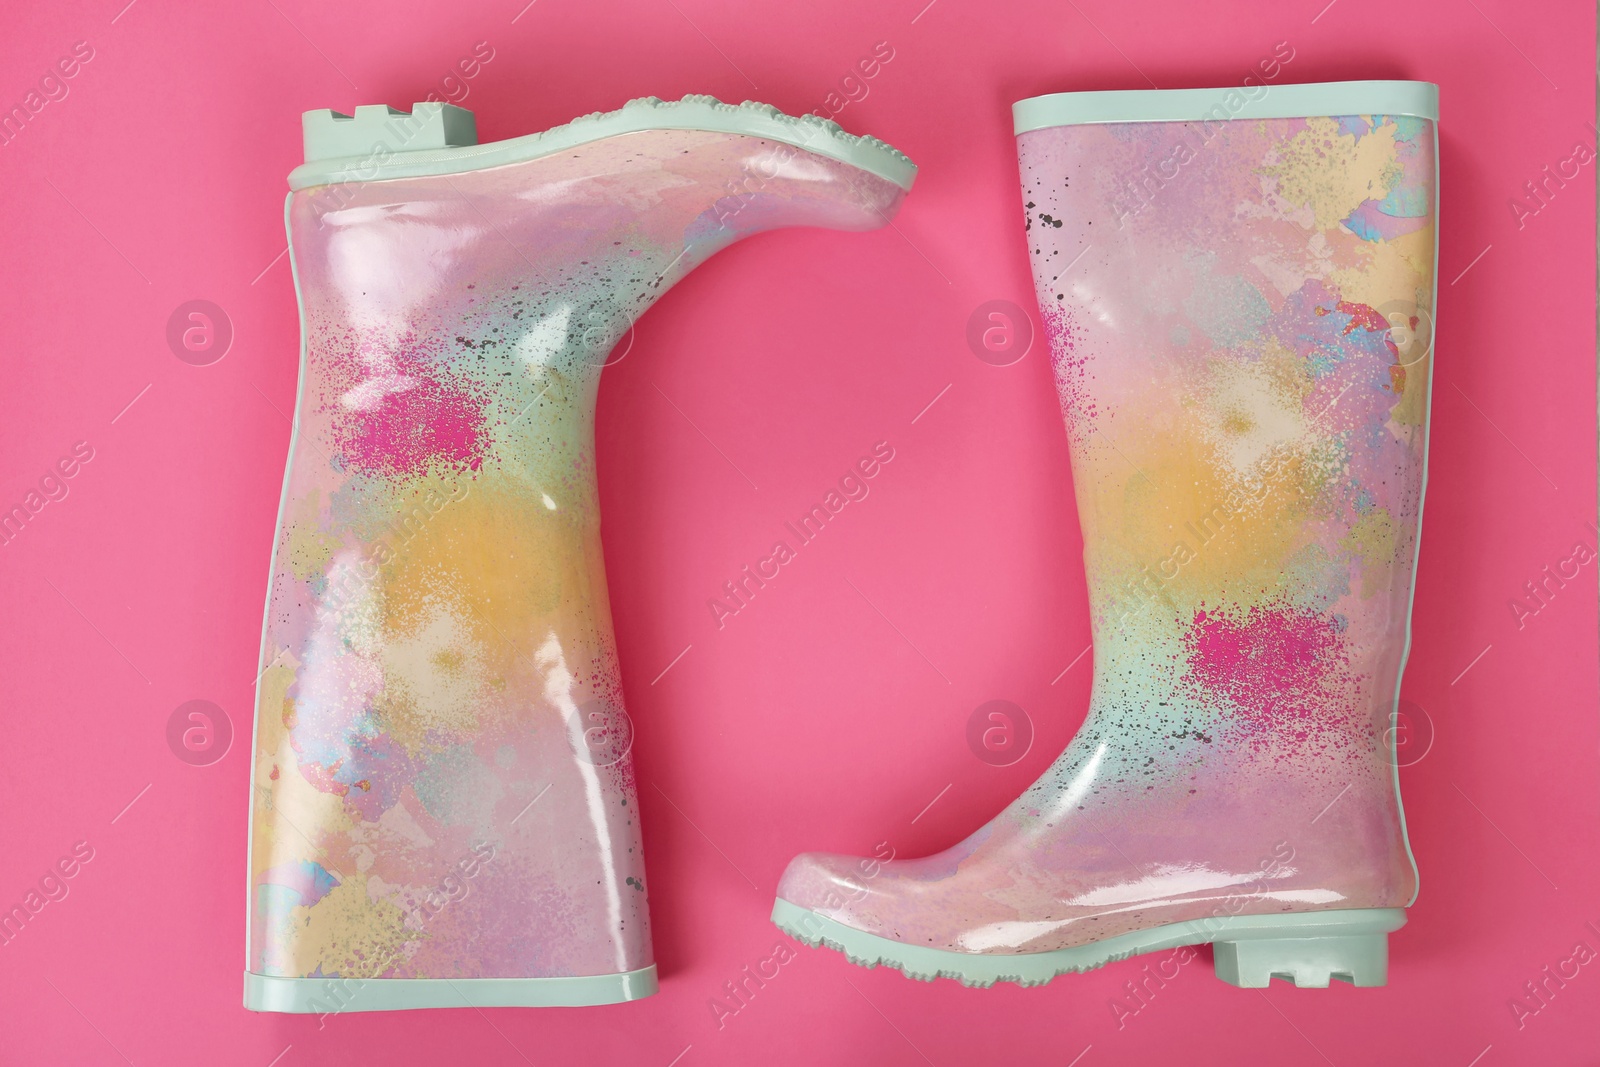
[{"x": 810, "y": 720}]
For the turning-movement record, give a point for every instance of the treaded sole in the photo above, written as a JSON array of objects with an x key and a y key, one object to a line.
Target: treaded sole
[
  {"x": 1037, "y": 968},
  {"x": 694, "y": 112}
]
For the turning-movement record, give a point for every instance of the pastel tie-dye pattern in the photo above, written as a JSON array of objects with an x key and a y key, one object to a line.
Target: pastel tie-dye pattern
[
  {"x": 442, "y": 781},
  {"x": 1240, "y": 332}
]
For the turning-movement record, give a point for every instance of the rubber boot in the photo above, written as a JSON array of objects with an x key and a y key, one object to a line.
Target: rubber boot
[
  {"x": 443, "y": 805},
  {"x": 1237, "y": 290}
]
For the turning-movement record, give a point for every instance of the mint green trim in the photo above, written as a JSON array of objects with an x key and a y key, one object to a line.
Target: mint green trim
[
  {"x": 378, "y": 162},
  {"x": 333, "y": 135},
  {"x": 322, "y": 996},
  {"x": 266, "y": 602},
  {"x": 1307, "y": 962},
  {"x": 1037, "y": 968},
  {"x": 1263, "y": 101}
]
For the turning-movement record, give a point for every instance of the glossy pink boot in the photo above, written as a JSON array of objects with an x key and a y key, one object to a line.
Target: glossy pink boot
[
  {"x": 443, "y": 809},
  {"x": 1237, "y": 288}
]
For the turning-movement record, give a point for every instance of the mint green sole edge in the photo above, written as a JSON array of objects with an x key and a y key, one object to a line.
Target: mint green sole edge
[
  {"x": 1419, "y": 99},
  {"x": 377, "y": 162},
  {"x": 1306, "y": 948},
  {"x": 321, "y": 996}
]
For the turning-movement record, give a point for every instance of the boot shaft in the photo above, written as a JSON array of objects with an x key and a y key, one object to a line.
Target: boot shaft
[{"x": 1240, "y": 322}]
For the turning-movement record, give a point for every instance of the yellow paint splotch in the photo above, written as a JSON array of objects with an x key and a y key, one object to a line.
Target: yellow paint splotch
[{"x": 1333, "y": 172}]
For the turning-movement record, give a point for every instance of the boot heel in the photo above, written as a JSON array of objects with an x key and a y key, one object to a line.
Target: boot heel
[{"x": 1308, "y": 962}]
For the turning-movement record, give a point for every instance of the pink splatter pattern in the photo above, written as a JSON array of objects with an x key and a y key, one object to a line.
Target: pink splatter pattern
[
  {"x": 1070, "y": 365},
  {"x": 423, "y": 425},
  {"x": 422, "y": 418},
  {"x": 1281, "y": 669}
]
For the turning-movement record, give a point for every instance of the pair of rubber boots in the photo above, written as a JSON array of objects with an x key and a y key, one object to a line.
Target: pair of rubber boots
[{"x": 1236, "y": 287}]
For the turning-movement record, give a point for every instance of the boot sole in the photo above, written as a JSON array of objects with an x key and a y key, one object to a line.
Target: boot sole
[
  {"x": 1306, "y": 948},
  {"x": 366, "y": 148},
  {"x": 334, "y": 996}
]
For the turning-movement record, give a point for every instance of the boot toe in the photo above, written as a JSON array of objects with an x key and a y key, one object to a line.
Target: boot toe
[{"x": 823, "y": 882}]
